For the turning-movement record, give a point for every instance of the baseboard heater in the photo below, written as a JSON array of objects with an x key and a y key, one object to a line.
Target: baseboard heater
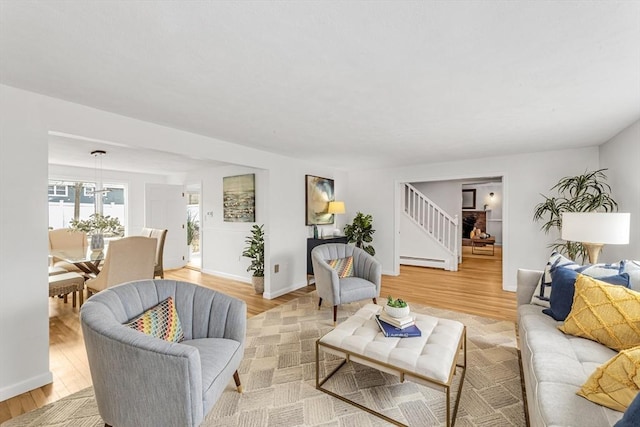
[
  {"x": 420, "y": 261},
  {"x": 411, "y": 258}
]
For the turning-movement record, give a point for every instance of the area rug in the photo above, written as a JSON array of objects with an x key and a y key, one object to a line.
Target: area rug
[{"x": 278, "y": 376}]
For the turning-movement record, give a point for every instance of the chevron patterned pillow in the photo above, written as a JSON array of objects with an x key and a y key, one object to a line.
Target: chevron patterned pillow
[
  {"x": 160, "y": 321},
  {"x": 344, "y": 266}
]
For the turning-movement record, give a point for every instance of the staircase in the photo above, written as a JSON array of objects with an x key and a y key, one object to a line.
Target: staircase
[{"x": 440, "y": 230}]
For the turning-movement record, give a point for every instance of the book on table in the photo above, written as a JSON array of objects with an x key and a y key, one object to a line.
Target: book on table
[
  {"x": 397, "y": 322},
  {"x": 391, "y": 331}
]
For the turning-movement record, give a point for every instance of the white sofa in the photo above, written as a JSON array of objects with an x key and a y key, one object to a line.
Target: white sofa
[{"x": 556, "y": 365}]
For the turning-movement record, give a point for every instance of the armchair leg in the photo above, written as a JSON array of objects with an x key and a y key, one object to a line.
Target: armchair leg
[
  {"x": 375, "y": 301},
  {"x": 335, "y": 314},
  {"x": 319, "y": 303},
  {"x": 236, "y": 378}
]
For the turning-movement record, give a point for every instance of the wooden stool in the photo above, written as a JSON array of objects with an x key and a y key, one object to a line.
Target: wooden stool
[{"x": 67, "y": 283}]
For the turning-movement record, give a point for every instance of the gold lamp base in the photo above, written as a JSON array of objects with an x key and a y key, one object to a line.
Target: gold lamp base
[{"x": 593, "y": 250}]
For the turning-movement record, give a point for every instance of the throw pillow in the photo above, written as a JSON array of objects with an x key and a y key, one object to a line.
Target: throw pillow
[
  {"x": 616, "y": 383},
  {"x": 160, "y": 321},
  {"x": 633, "y": 269},
  {"x": 343, "y": 266},
  {"x": 631, "y": 417},
  {"x": 607, "y": 314},
  {"x": 542, "y": 294},
  {"x": 563, "y": 288}
]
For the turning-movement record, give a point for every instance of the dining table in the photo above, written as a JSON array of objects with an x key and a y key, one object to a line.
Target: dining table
[{"x": 86, "y": 260}]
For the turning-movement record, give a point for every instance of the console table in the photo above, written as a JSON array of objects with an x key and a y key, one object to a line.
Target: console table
[{"x": 312, "y": 243}]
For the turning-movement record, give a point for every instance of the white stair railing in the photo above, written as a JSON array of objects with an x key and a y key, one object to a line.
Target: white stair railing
[{"x": 432, "y": 219}]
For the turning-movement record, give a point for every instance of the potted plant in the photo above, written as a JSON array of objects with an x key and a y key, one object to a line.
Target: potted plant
[
  {"x": 361, "y": 232},
  {"x": 396, "y": 308},
  {"x": 255, "y": 251},
  {"x": 582, "y": 193},
  {"x": 98, "y": 226}
]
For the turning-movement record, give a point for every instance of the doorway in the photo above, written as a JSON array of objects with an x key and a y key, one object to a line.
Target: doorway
[
  {"x": 194, "y": 235},
  {"x": 448, "y": 195}
]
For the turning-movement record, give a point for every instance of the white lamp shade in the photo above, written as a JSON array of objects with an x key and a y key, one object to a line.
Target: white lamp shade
[
  {"x": 336, "y": 208},
  {"x": 596, "y": 227}
]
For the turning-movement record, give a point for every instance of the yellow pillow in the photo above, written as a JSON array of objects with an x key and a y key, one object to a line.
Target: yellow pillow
[
  {"x": 616, "y": 383},
  {"x": 608, "y": 314}
]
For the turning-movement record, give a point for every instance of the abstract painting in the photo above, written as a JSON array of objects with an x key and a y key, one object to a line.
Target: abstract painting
[
  {"x": 239, "y": 198},
  {"x": 318, "y": 192}
]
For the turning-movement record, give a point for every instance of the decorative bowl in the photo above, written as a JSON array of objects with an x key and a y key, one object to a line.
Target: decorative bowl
[{"x": 397, "y": 312}]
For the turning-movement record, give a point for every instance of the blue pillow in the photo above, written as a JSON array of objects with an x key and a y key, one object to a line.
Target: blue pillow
[
  {"x": 631, "y": 417},
  {"x": 563, "y": 288}
]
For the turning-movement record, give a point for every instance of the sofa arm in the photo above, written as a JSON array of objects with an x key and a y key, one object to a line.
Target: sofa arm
[
  {"x": 527, "y": 282},
  {"x": 327, "y": 281}
]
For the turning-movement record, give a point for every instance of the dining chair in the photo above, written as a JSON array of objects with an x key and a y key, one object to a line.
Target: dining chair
[
  {"x": 128, "y": 259},
  {"x": 161, "y": 235},
  {"x": 354, "y": 276},
  {"x": 66, "y": 239}
]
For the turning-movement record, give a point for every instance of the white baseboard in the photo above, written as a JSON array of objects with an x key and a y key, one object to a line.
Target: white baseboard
[
  {"x": 294, "y": 287},
  {"x": 24, "y": 386},
  {"x": 228, "y": 276},
  {"x": 267, "y": 295}
]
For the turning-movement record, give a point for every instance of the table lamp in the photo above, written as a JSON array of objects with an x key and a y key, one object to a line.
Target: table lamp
[
  {"x": 596, "y": 229},
  {"x": 336, "y": 208}
]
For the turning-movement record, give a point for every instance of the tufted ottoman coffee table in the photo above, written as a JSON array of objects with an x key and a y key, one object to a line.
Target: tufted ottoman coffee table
[{"x": 429, "y": 360}]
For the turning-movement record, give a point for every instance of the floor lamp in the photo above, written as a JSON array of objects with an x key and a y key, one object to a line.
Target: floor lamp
[{"x": 596, "y": 229}]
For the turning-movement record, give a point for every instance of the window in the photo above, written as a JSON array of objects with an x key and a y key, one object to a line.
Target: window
[
  {"x": 69, "y": 199},
  {"x": 58, "y": 190}
]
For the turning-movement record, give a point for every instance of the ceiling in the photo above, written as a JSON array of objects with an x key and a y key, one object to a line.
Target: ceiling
[
  {"x": 70, "y": 150},
  {"x": 350, "y": 84}
]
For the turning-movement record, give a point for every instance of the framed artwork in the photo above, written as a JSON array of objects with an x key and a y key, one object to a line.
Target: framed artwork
[
  {"x": 318, "y": 194},
  {"x": 469, "y": 199},
  {"x": 239, "y": 198}
]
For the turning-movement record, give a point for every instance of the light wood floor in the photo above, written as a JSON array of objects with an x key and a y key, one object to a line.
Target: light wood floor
[{"x": 476, "y": 288}]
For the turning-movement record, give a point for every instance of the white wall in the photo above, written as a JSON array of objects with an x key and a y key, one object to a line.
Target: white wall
[
  {"x": 525, "y": 177},
  {"x": 134, "y": 190},
  {"x": 26, "y": 120},
  {"x": 280, "y": 198},
  {"x": 223, "y": 242},
  {"x": 24, "y": 322},
  {"x": 621, "y": 155}
]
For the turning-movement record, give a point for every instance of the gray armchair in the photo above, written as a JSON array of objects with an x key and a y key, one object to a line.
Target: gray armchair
[
  {"x": 140, "y": 380},
  {"x": 365, "y": 283}
]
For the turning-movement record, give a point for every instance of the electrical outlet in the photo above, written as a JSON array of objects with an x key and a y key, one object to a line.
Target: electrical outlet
[{"x": 276, "y": 268}]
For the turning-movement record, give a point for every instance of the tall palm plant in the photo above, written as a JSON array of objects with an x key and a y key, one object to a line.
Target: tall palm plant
[{"x": 582, "y": 193}]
